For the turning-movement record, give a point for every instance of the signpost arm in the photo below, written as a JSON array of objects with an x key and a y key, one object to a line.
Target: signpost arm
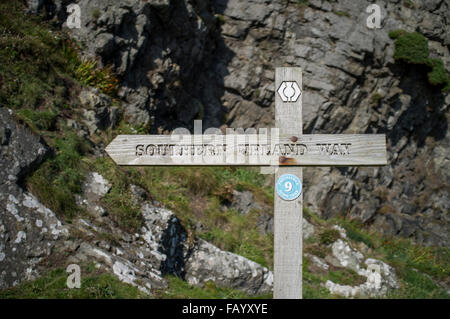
[{"x": 288, "y": 214}]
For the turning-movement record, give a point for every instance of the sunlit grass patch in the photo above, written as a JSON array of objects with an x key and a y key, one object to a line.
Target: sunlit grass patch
[
  {"x": 60, "y": 177},
  {"x": 180, "y": 289},
  {"x": 94, "y": 285}
]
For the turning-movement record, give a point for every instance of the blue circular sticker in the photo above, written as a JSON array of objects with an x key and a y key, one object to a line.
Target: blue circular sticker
[{"x": 288, "y": 187}]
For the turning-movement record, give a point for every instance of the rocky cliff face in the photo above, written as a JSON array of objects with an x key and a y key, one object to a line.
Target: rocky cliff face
[
  {"x": 164, "y": 52},
  {"x": 214, "y": 60}
]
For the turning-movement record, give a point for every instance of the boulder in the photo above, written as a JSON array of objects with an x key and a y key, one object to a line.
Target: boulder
[
  {"x": 95, "y": 186},
  {"x": 244, "y": 202},
  {"x": 347, "y": 256},
  {"x": 225, "y": 269}
]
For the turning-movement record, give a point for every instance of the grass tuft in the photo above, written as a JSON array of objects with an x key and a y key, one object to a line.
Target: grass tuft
[
  {"x": 39, "y": 120},
  {"x": 412, "y": 48},
  {"x": 60, "y": 177},
  {"x": 329, "y": 236},
  {"x": 94, "y": 285},
  {"x": 180, "y": 289}
]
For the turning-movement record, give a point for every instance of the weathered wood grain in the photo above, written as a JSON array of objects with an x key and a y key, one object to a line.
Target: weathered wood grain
[
  {"x": 307, "y": 150},
  {"x": 288, "y": 214}
]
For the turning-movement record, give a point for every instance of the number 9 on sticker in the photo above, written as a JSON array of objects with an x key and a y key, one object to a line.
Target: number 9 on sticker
[{"x": 288, "y": 187}]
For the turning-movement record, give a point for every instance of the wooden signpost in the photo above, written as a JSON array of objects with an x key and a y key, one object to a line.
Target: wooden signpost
[{"x": 285, "y": 148}]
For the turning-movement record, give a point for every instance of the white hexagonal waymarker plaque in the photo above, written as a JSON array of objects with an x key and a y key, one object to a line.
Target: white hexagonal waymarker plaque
[{"x": 289, "y": 91}]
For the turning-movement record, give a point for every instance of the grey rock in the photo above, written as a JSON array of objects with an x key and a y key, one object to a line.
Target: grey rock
[
  {"x": 244, "y": 202},
  {"x": 225, "y": 269},
  {"x": 203, "y": 262},
  {"x": 91, "y": 99},
  {"x": 381, "y": 278},
  {"x": 105, "y": 44},
  {"x": 95, "y": 186},
  {"x": 265, "y": 224},
  {"x": 98, "y": 113},
  {"x": 35, "y": 6},
  {"x": 236, "y": 29},
  {"x": 318, "y": 262},
  {"x": 143, "y": 275},
  {"x": 139, "y": 194},
  {"x": 347, "y": 257},
  {"x": 253, "y": 10},
  {"x": 320, "y": 4},
  {"x": 4, "y": 135},
  {"x": 308, "y": 229},
  {"x": 29, "y": 231},
  {"x": 155, "y": 58},
  {"x": 136, "y": 115},
  {"x": 164, "y": 233}
]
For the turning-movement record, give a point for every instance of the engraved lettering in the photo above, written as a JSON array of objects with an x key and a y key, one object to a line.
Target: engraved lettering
[
  {"x": 334, "y": 149},
  {"x": 139, "y": 149},
  {"x": 150, "y": 149}
]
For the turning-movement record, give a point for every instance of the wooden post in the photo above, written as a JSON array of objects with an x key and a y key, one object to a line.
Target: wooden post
[
  {"x": 311, "y": 150},
  {"x": 288, "y": 214}
]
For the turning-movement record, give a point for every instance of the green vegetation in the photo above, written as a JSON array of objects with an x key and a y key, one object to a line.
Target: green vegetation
[
  {"x": 87, "y": 73},
  {"x": 221, "y": 18},
  {"x": 418, "y": 268},
  {"x": 342, "y": 13},
  {"x": 302, "y": 2},
  {"x": 405, "y": 256},
  {"x": 100, "y": 285},
  {"x": 119, "y": 201},
  {"x": 243, "y": 239},
  {"x": 412, "y": 48},
  {"x": 313, "y": 283},
  {"x": 409, "y": 4},
  {"x": 196, "y": 195},
  {"x": 375, "y": 99},
  {"x": 38, "y": 120},
  {"x": 40, "y": 73},
  {"x": 356, "y": 231},
  {"x": 180, "y": 289},
  {"x": 346, "y": 277},
  {"x": 329, "y": 236},
  {"x": 94, "y": 285},
  {"x": 60, "y": 177},
  {"x": 96, "y": 14},
  {"x": 39, "y": 65},
  {"x": 438, "y": 74},
  {"x": 30, "y": 67},
  {"x": 416, "y": 285}
]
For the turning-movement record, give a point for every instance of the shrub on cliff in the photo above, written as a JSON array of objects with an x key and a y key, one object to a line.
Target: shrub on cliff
[{"x": 412, "y": 48}]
